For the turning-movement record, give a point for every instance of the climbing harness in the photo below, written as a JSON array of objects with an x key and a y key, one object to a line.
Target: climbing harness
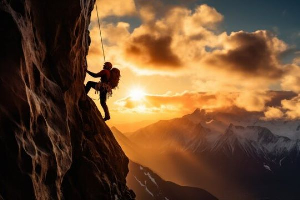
[{"x": 103, "y": 86}]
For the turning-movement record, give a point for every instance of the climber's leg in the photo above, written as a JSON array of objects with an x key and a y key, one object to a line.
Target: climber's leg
[
  {"x": 89, "y": 85},
  {"x": 103, "y": 96}
]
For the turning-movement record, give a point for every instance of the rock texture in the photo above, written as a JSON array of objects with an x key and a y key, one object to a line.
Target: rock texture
[{"x": 53, "y": 141}]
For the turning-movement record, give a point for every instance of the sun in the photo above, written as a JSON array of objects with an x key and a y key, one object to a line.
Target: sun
[{"x": 137, "y": 94}]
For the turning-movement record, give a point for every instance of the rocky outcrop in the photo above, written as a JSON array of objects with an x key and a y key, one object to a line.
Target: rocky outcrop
[{"x": 53, "y": 141}]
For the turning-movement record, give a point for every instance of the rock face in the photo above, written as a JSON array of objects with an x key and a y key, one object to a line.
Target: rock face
[{"x": 53, "y": 141}]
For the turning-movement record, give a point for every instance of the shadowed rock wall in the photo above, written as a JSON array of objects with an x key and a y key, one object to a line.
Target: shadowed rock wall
[{"x": 53, "y": 141}]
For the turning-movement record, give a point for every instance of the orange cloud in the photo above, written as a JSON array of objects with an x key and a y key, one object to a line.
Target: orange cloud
[
  {"x": 252, "y": 101},
  {"x": 173, "y": 40},
  {"x": 181, "y": 102},
  {"x": 273, "y": 113},
  {"x": 292, "y": 107},
  {"x": 206, "y": 16},
  {"x": 289, "y": 109},
  {"x": 176, "y": 43},
  {"x": 188, "y": 101},
  {"x": 291, "y": 81},
  {"x": 113, "y": 8},
  {"x": 147, "y": 13},
  {"x": 183, "y": 42}
]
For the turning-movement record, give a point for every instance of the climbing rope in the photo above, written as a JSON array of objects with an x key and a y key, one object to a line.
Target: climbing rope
[{"x": 99, "y": 25}]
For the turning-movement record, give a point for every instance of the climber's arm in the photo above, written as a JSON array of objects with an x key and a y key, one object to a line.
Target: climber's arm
[
  {"x": 102, "y": 73},
  {"x": 93, "y": 74},
  {"x": 99, "y": 74}
]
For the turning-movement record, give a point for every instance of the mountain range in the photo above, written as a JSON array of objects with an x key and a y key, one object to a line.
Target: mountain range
[{"x": 232, "y": 155}]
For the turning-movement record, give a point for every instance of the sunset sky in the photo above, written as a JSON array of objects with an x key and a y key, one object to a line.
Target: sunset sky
[{"x": 176, "y": 56}]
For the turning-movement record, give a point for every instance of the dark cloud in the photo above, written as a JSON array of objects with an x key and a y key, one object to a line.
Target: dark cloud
[
  {"x": 197, "y": 37},
  {"x": 278, "y": 96},
  {"x": 150, "y": 51},
  {"x": 251, "y": 54}
]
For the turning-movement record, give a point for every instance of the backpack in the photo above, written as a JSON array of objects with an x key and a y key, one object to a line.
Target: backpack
[{"x": 114, "y": 78}]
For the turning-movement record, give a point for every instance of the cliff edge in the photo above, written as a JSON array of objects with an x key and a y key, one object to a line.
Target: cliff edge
[{"x": 53, "y": 141}]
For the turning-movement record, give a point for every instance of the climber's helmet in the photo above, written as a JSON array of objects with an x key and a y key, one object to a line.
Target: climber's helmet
[{"x": 107, "y": 65}]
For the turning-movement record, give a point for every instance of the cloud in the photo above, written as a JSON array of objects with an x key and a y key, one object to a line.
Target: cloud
[
  {"x": 206, "y": 16},
  {"x": 152, "y": 52},
  {"x": 180, "y": 102},
  {"x": 112, "y": 34},
  {"x": 249, "y": 55},
  {"x": 296, "y": 60},
  {"x": 273, "y": 113},
  {"x": 184, "y": 41},
  {"x": 188, "y": 101},
  {"x": 170, "y": 42},
  {"x": 291, "y": 81},
  {"x": 113, "y": 8},
  {"x": 147, "y": 13},
  {"x": 289, "y": 109},
  {"x": 252, "y": 101},
  {"x": 278, "y": 96},
  {"x": 292, "y": 107},
  {"x": 177, "y": 41}
]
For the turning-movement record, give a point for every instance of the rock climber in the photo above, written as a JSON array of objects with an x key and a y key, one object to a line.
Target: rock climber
[{"x": 103, "y": 86}]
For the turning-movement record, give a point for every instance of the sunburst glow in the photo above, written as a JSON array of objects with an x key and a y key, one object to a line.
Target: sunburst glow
[{"x": 137, "y": 94}]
